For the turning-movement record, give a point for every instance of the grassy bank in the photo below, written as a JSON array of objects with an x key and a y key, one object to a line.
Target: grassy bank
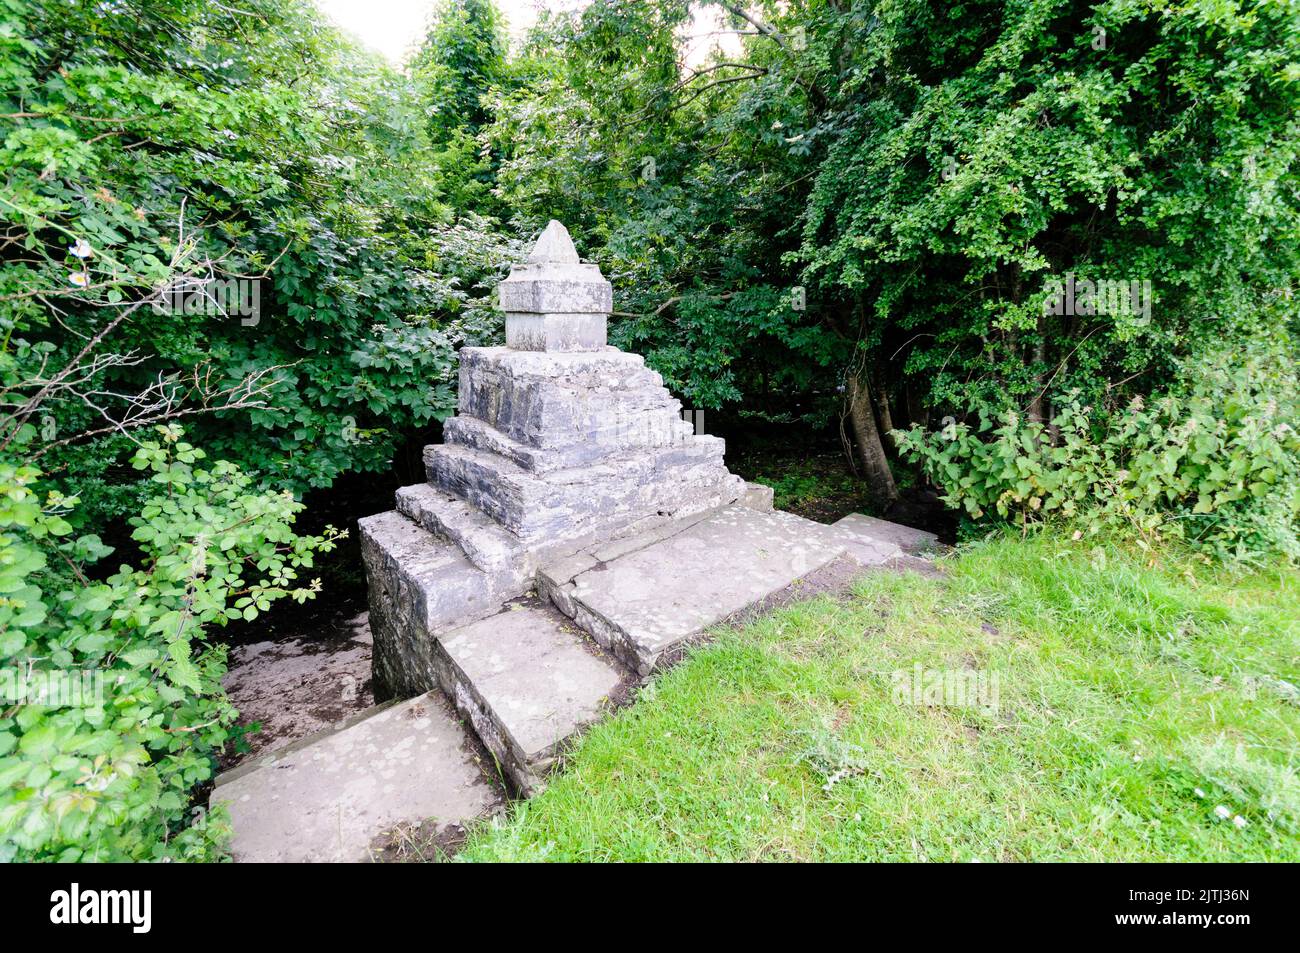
[{"x": 1124, "y": 710}]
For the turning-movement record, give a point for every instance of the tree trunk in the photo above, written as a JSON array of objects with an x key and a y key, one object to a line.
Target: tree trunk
[
  {"x": 871, "y": 452},
  {"x": 917, "y": 412},
  {"x": 884, "y": 419},
  {"x": 1038, "y": 407}
]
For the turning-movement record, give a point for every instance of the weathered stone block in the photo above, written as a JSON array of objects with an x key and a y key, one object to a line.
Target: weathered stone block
[
  {"x": 554, "y": 301},
  {"x": 580, "y": 290},
  {"x": 527, "y": 683},
  {"x": 574, "y": 503},
  {"x": 487, "y": 544},
  {"x": 660, "y": 430},
  {"x": 556, "y": 332},
  {"x": 914, "y": 542},
  {"x": 547, "y": 400},
  {"x": 555, "y": 281},
  {"x": 870, "y": 543},
  {"x": 418, "y": 585},
  {"x": 757, "y": 496},
  {"x": 647, "y": 602}
]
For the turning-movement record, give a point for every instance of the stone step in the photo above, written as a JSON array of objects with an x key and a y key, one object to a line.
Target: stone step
[
  {"x": 603, "y": 498},
  {"x": 527, "y": 680},
  {"x": 454, "y": 467},
  {"x": 421, "y": 584},
  {"x": 330, "y": 798},
  {"x": 273, "y": 757},
  {"x": 558, "y": 399},
  {"x": 488, "y": 545},
  {"x": 862, "y": 543},
  {"x": 913, "y": 542},
  {"x": 646, "y": 600},
  {"x": 661, "y": 430},
  {"x": 465, "y": 431}
]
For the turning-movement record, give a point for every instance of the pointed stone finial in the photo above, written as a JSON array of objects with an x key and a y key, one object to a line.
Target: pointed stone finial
[
  {"x": 554, "y": 301},
  {"x": 554, "y": 245}
]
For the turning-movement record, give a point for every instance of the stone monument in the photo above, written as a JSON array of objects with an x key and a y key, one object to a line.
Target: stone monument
[
  {"x": 559, "y": 441},
  {"x": 570, "y": 508},
  {"x": 561, "y": 437},
  {"x": 573, "y": 534}
]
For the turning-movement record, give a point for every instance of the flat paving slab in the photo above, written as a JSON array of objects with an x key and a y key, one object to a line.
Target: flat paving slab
[
  {"x": 527, "y": 680},
  {"x": 329, "y": 799},
  {"x": 643, "y": 603},
  {"x": 910, "y": 540},
  {"x": 866, "y": 541}
]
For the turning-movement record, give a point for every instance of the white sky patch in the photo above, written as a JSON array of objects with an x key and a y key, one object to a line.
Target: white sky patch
[
  {"x": 709, "y": 31},
  {"x": 394, "y": 27}
]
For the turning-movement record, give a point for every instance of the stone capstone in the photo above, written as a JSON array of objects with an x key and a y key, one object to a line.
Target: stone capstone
[{"x": 555, "y": 302}]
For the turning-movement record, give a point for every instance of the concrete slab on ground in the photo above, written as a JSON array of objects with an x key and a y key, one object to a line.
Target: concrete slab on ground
[
  {"x": 910, "y": 540},
  {"x": 328, "y": 799},
  {"x": 867, "y": 544}
]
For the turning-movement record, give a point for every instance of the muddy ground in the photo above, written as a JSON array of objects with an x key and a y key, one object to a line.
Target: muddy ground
[{"x": 298, "y": 684}]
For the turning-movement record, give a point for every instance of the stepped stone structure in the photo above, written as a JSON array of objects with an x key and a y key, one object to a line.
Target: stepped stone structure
[
  {"x": 572, "y": 534},
  {"x": 560, "y": 441}
]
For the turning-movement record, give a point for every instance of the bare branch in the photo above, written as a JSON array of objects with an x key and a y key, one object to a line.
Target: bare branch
[
  {"x": 171, "y": 397},
  {"x": 19, "y": 418},
  {"x": 708, "y": 86},
  {"x": 757, "y": 24}
]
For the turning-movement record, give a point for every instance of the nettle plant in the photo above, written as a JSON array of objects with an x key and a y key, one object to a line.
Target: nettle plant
[
  {"x": 1215, "y": 462},
  {"x": 111, "y": 775}
]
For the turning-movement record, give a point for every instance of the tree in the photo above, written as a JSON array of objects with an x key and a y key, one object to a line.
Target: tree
[
  {"x": 925, "y": 180},
  {"x": 185, "y": 145},
  {"x": 224, "y": 216},
  {"x": 462, "y": 58}
]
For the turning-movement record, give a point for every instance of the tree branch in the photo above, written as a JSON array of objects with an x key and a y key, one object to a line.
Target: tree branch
[{"x": 757, "y": 24}]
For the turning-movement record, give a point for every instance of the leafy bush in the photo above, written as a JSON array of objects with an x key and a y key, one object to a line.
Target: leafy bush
[
  {"x": 106, "y": 773},
  {"x": 168, "y": 144},
  {"x": 149, "y": 153},
  {"x": 919, "y": 172},
  {"x": 1215, "y": 462}
]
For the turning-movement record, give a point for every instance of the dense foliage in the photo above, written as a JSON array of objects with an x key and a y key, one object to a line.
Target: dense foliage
[
  {"x": 875, "y": 209},
  {"x": 222, "y": 215},
  {"x": 1214, "y": 462},
  {"x": 114, "y": 706},
  {"x": 1040, "y": 253},
  {"x": 157, "y": 143}
]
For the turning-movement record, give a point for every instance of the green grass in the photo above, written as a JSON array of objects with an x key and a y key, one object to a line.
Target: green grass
[{"x": 1124, "y": 691}]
